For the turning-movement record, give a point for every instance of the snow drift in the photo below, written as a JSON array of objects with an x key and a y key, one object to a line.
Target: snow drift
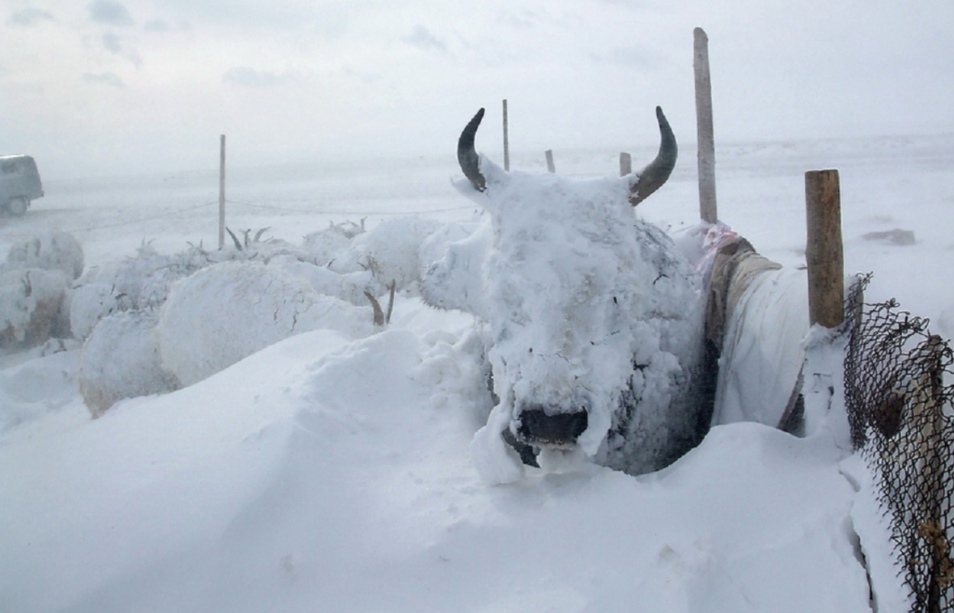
[{"x": 334, "y": 474}]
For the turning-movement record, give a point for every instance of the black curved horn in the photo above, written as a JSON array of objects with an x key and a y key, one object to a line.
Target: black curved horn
[
  {"x": 657, "y": 172},
  {"x": 467, "y": 155}
]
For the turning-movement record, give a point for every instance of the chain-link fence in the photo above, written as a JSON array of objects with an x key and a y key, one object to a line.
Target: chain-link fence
[{"x": 899, "y": 398}]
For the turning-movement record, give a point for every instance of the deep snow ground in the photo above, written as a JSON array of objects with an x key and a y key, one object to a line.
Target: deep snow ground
[
  {"x": 329, "y": 474},
  {"x": 288, "y": 482}
]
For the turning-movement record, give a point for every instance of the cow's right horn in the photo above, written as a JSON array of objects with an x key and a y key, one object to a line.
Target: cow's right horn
[
  {"x": 653, "y": 176},
  {"x": 467, "y": 155}
]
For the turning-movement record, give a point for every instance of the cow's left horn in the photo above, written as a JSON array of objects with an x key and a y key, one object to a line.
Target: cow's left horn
[
  {"x": 653, "y": 176},
  {"x": 467, "y": 155}
]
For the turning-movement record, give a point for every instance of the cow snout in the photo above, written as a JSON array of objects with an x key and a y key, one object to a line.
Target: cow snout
[{"x": 556, "y": 430}]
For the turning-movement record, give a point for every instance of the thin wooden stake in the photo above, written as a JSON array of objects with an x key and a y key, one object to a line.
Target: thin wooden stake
[
  {"x": 506, "y": 136},
  {"x": 550, "y": 166},
  {"x": 927, "y": 411},
  {"x": 625, "y": 164},
  {"x": 704, "y": 130},
  {"x": 222, "y": 191},
  {"x": 823, "y": 249}
]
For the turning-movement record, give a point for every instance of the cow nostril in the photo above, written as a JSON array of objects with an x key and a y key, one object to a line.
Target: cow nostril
[{"x": 537, "y": 427}]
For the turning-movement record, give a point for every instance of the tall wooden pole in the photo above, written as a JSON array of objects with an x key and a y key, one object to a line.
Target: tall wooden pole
[
  {"x": 506, "y": 136},
  {"x": 704, "y": 130},
  {"x": 823, "y": 249},
  {"x": 222, "y": 191}
]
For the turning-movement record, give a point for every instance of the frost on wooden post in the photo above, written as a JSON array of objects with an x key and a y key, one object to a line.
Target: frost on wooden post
[{"x": 704, "y": 128}]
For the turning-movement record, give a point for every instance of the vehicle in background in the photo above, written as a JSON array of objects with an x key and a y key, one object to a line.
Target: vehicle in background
[{"x": 19, "y": 183}]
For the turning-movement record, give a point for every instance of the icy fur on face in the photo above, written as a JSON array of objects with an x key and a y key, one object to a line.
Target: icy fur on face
[{"x": 583, "y": 302}]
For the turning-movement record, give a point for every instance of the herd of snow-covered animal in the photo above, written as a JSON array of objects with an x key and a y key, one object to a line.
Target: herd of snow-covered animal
[
  {"x": 593, "y": 322},
  {"x": 153, "y": 323}
]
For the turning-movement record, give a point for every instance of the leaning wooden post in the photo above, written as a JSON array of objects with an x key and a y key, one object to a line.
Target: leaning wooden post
[
  {"x": 549, "y": 155},
  {"x": 625, "y": 164},
  {"x": 823, "y": 250},
  {"x": 704, "y": 130},
  {"x": 506, "y": 136},
  {"x": 222, "y": 191}
]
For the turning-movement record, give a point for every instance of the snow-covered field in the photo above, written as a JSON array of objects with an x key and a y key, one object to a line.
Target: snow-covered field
[{"x": 331, "y": 471}]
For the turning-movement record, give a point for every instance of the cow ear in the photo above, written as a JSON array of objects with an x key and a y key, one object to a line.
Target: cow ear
[{"x": 453, "y": 278}]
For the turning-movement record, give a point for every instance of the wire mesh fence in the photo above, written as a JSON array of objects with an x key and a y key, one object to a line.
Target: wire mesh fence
[{"x": 899, "y": 401}]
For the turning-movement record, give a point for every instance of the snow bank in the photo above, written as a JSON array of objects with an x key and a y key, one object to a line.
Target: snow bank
[
  {"x": 334, "y": 474},
  {"x": 39, "y": 386},
  {"x": 889, "y": 593}
]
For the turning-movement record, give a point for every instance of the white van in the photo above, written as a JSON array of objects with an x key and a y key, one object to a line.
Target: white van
[{"x": 19, "y": 183}]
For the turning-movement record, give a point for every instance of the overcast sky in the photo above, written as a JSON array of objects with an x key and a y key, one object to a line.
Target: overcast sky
[{"x": 143, "y": 85}]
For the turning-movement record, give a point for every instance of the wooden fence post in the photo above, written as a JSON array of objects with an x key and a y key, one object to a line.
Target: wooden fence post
[
  {"x": 823, "y": 248},
  {"x": 506, "y": 137},
  {"x": 704, "y": 130},
  {"x": 625, "y": 164},
  {"x": 549, "y": 155},
  {"x": 222, "y": 191},
  {"x": 927, "y": 415}
]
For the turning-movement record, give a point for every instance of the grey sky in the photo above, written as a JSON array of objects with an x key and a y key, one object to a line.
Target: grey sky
[{"x": 138, "y": 85}]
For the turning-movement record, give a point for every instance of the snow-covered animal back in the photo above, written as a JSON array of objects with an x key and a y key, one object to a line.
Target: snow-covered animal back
[{"x": 594, "y": 319}]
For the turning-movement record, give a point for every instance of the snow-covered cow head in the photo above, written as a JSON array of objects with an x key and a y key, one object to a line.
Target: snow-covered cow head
[{"x": 593, "y": 317}]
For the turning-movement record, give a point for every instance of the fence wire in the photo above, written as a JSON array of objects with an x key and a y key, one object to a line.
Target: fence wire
[{"x": 899, "y": 401}]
